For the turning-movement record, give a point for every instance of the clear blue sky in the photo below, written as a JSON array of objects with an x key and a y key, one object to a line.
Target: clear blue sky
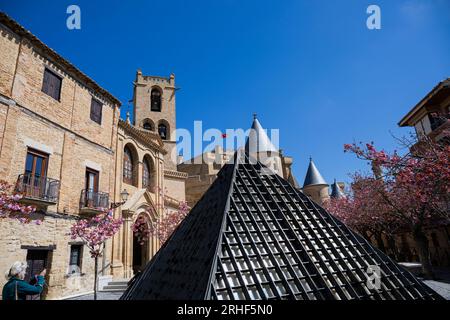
[{"x": 310, "y": 68}]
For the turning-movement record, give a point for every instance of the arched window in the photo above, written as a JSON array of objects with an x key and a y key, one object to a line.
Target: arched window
[
  {"x": 128, "y": 166},
  {"x": 148, "y": 126},
  {"x": 146, "y": 174},
  {"x": 155, "y": 100},
  {"x": 162, "y": 130}
]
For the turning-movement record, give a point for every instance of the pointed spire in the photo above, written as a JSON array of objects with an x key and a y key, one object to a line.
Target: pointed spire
[
  {"x": 258, "y": 141},
  {"x": 128, "y": 117},
  {"x": 313, "y": 176},
  {"x": 336, "y": 191}
]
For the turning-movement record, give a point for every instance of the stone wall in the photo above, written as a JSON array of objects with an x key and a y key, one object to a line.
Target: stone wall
[
  {"x": 196, "y": 186},
  {"x": 15, "y": 238},
  {"x": 9, "y": 43},
  {"x": 62, "y": 129},
  {"x": 175, "y": 185},
  {"x": 404, "y": 249}
]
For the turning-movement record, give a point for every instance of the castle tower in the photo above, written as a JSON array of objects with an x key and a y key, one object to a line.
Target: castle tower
[
  {"x": 154, "y": 110},
  {"x": 336, "y": 191},
  {"x": 315, "y": 185},
  {"x": 260, "y": 147}
]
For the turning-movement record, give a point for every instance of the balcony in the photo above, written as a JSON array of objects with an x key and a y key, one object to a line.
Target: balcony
[
  {"x": 39, "y": 191},
  {"x": 92, "y": 202}
]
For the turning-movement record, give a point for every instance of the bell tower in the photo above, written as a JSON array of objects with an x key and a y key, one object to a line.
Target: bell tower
[{"x": 154, "y": 110}]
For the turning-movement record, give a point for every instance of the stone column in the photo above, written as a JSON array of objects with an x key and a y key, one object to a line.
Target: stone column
[
  {"x": 117, "y": 242},
  {"x": 127, "y": 258}
]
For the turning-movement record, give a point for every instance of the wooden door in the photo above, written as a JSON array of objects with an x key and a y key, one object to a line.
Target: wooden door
[{"x": 37, "y": 261}]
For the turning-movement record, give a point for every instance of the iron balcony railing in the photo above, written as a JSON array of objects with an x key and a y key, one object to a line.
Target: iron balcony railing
[
  {"x": 40, "y": 188},
  {"x": 94, "y": 200}
]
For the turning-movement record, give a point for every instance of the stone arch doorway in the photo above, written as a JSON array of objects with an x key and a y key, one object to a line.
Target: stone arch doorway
[
  {"x": 141, "y": 245},
  {"x": 136, "y": 255}
]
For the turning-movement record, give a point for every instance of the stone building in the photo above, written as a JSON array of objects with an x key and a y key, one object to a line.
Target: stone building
[
  {"x": 58, "y": 132},
  {"x": 202, "y": 170},
  {"x": 63, "y": 145}
]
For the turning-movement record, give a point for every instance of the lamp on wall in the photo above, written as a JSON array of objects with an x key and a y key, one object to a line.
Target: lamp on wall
[{"x": 124, "y": 196}]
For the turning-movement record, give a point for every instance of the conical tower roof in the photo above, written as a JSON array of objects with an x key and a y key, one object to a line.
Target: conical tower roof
[
  {"x": 336, "y": 191},
  {"x": 313, "y": 176},
  {"x": 255, "y": 236},
  {"x": 258, "y": 141}
]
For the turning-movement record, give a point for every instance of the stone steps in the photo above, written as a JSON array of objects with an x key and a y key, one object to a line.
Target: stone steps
[{"x": 115, "y": 286}]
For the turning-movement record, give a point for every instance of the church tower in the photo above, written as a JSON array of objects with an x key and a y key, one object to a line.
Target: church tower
[
  {"x": 315, "y": 185},
  {"x": 154, "y": 110}
]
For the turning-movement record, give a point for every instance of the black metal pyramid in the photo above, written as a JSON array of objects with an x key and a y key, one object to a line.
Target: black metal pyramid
[{"x": 254, "y": 236}]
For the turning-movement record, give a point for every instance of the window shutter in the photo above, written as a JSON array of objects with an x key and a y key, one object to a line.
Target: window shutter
[
  {"x": 45, "y": 83},
  {"x": 96, "y": 111},
  {"x": 56, "y": 88},
  {"x": 51, "y": 84}
]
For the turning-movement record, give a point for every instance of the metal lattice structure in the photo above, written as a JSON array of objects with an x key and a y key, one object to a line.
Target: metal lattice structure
[{"x": 255, "y": 236}]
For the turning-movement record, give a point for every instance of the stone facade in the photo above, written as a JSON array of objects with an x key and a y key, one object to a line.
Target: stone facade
[
  {"x": 74, "y": 146},
  {"x": 147, "y": 201},
  {"x": 202, "y": 171},
  {"x": 149, "y": 117},
  {"x": 144, "y": 114},
  {"x": 62, "y": 130},
  {"x": 402, "y": 247},
  {"x": 319, "y": 193}
]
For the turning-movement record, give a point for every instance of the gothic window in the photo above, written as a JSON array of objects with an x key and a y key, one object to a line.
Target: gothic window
[
  {"x": 162, "y": 130},
  {"x": 155, "y": 100},
  {"x": 146, "y": 174},
  {"x": 128, "y": 167}
]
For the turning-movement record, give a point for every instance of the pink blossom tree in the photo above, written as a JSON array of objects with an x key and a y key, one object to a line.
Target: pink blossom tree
[
  {"x": 164, "y": 226},
  {"x": 10, "y": 206},
  {"x": 413, "y": 190},
  {"x": 365, "y": 211},
  {"x": 141, "y": 230},
  {"x": 94, "y": 232}
]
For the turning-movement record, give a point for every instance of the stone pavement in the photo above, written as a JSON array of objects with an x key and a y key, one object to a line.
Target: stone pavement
[
  {"x": 442, "y": 283},
  {"x": 442, "y": 288}
]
